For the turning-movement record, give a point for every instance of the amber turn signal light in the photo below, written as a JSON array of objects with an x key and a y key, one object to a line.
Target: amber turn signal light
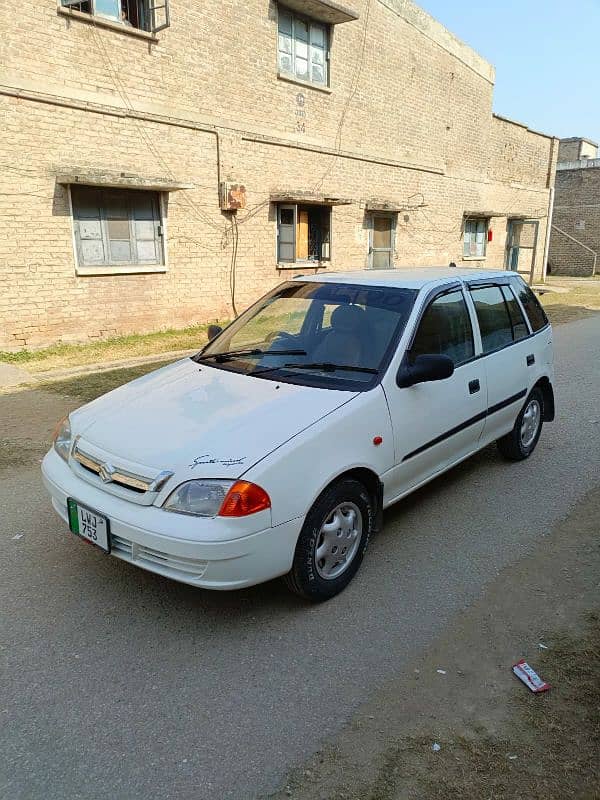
[{"x": 244, "y": 498}]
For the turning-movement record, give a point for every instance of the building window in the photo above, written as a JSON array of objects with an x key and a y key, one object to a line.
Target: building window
[
  {"x": 141, "y": 14},
  {"x": 303, "y": 233},
  {"x": 302, "y": 46},
  {"x": 117, "y": 227},
  {"x": 475, "y": 238}
]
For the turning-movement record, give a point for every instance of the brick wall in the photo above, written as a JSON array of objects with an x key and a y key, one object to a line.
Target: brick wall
[
  {"x": 407, "y": 119},
  {"x": 576, "y": 215}
]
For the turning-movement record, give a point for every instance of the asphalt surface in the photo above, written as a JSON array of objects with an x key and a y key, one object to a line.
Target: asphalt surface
[{"x": 120, "y": 684}]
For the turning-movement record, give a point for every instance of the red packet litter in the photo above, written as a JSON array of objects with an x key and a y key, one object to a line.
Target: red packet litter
[{"x": 529, "y": 677}]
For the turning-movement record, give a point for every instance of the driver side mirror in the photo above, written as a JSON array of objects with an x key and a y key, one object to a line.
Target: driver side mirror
[
  {"x": 213, "y": 332},
  {"x": 424, "y": 369}
]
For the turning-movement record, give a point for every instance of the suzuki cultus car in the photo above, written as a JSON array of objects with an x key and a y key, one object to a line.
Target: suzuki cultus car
[{"x": 274, "y": 450}]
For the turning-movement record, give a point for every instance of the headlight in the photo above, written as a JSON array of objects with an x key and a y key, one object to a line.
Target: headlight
[
  {"x": 62, "y": 438},
  {"x": 211, "y": 498}
]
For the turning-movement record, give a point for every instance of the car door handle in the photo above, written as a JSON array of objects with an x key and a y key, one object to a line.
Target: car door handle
[
  {"x": 474, "y": 386},
  {"x": 530, "y": 360}
]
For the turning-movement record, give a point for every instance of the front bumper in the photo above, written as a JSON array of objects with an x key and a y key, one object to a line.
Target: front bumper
[{"x": 214, "y": 553}]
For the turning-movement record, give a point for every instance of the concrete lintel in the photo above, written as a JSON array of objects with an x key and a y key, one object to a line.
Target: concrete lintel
[
  {"x": 309, "y": 199},
  {"x": 323, "y": 10},
  {"x": 121, "y": 180}
]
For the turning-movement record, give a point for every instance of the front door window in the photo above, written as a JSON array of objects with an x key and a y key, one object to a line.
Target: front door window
[{"x": 381, "y": 250}]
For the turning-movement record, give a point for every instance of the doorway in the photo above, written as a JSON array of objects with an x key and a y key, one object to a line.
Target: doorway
[
  {"x": 521, "y": 246},
  {"x": 381, "y": 241}
]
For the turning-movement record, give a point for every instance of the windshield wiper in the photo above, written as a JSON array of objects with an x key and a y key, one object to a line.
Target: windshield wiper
[
  {"x": 325, "y": 366},
  {"x": 230, "y": 354}
]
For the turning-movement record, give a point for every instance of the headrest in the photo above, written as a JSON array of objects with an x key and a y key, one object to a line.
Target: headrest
[{"x": 346, "y": 319}]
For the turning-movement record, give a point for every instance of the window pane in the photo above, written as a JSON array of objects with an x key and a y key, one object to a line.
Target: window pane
[
  {"x": 285, "y": 63},
  {"x": 285, "y": 23},
  {"x": 520, "y": 329},
  {"x": 92, "y": 251},
  {"x": 302, "y": 68},
  {"x": 445, "y": 329},
  {"x": 144, "y": 229},
  {"x": 118, "y": 228},
  {"x": 300, "y": 30},
  {"x": 302, "y": 50},
  {"x": 533, "y": 309},
  {"x": 317, "y": 73},
  {"x": 285, "y": 43},
  {"x": 120, "y": 251},
  {"x": 109, "y": 8},
  {"x": 286, "y": 215},
  {"x": 494, "y": 322},
  {"x": 317, "y": 35},
  {"x": 146, "y": 250},
  {"x": 90, "y": 229},
  {"x": 143, "y": 206}
]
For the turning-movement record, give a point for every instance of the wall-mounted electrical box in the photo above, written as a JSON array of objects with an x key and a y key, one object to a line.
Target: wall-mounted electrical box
[{"x": 232, "y": 196}]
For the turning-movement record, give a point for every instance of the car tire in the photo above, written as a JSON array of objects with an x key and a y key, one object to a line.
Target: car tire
[
  {"x": 522, "y": 440},
  {"x": 342, "y": 517}
]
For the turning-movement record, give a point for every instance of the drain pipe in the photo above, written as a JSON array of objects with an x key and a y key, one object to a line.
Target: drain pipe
[{"x": 548, "y": 233}]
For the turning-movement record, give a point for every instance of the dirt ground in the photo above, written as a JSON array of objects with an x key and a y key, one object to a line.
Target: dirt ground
[
  {"x": 575, "y": 298},
  {"x": 497, "y": 740}
]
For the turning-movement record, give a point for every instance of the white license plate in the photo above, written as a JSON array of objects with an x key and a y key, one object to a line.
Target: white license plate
[{"x": 88, "y": 524}]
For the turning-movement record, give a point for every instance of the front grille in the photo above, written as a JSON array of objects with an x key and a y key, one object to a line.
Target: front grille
[
  {"x": 101, "y": 471},
  {"x": 157, "y": 561}
]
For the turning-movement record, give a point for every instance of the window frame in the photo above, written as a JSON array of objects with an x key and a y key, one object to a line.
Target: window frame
[
  {"x": 308, "y": 21},
  {"x": 319, "y": 263},
  {"x": 470, "y": 221},
  {"x": 70, "y": 7},
  {"x": 499, "y": 286},
  {"x": 430, "y": 298},
  {"x": 120, "y": 267}
]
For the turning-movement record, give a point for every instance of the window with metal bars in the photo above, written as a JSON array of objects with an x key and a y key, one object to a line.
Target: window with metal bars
[
  {"x": 145, "y": 15},
  {"x": 117, "y": 227},
  {"x": 303, "y": 48}
]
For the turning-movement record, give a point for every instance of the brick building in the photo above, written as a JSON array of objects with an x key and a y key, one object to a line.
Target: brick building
[
  {"x": 156, "y": 162},
  {"x": 575, "y": 238}
]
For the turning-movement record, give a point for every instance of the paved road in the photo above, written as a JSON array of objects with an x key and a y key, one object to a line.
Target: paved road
[{"x": 120, "y": 684}]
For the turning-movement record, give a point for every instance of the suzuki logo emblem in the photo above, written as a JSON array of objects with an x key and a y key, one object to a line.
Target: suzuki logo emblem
[{"x": 106, "y": 472}]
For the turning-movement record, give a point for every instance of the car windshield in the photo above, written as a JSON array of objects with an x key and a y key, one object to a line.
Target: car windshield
[{"x": 330, "y": 335}]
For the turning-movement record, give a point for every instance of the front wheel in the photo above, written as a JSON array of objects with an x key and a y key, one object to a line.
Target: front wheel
[
  {"x": 332, "y": 541},
  {"x": 522, "y": 440}
]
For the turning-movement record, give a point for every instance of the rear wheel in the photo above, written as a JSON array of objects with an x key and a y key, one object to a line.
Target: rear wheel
[
  {"x": 332, "y": 542},
  {"x": 522, "y": 440}
]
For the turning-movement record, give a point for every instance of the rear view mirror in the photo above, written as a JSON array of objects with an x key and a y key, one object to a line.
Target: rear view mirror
[
  {"x": 424, "y": 369},
  {"x": 213, "y": 332}
]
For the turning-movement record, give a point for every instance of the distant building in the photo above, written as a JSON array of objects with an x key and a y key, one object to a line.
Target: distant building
[
  {"x": 575, "y": 238},
  {"x": 165, "y": 161}
]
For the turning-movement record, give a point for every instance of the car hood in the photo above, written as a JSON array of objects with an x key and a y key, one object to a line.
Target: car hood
[{"x": 200, "y": 421}]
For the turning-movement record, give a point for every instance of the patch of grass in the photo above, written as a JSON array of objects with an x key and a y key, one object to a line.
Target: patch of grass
[
  {"x": 582, "y": 300},
  {"x": 120, "y": 347},
  {"x": 88, "y": 387}
]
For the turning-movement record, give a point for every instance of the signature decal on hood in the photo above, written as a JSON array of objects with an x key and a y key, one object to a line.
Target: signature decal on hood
[{"x": 206, "y": 459}]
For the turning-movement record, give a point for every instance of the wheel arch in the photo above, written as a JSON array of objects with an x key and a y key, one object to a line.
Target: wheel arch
[
  {"x": 548, "y": 394},
  {"x": 370, "y": 480}
]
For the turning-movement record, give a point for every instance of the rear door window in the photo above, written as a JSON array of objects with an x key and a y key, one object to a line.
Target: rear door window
[
  {"x": 493, "y": 317},
  {"x": 533, "y": 308},
  {"x": 445, "y": 329},
  {"x": 519, "y": 326}
]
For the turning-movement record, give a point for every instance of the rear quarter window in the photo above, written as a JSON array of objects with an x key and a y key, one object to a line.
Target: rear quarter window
[{"x": 533, "y": 308}]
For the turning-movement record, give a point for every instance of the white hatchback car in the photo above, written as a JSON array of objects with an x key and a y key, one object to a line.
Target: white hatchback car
[{"x": 275, "y": 450}]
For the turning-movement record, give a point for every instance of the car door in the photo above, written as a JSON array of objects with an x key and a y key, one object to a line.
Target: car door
[
  {"x": 439, "y": 422},
  {"x": 506, "y": 354}
]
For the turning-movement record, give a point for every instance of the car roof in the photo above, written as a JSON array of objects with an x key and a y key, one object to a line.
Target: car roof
[{"x": 414, "y": 278}]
